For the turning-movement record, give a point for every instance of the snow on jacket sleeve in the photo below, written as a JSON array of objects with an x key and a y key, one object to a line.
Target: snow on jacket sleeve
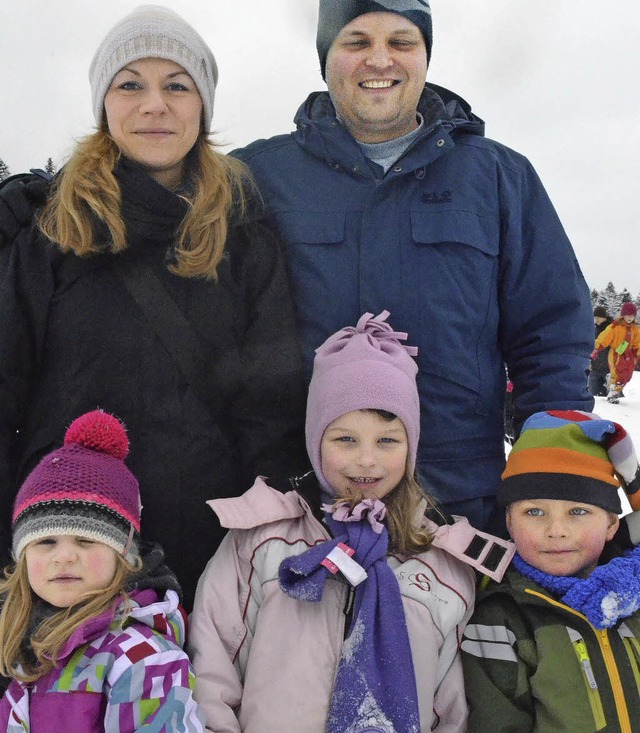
[
  {"x": 152, "y": 689},
  {"x": 496, "y": 669},
  {"x": 546, "y": 322},
  {"x": 216, "y": 633},
  {"x": 268, "y": 415}
]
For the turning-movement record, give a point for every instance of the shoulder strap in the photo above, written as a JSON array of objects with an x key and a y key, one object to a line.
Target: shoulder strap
[{"x": 167, "y": 320}]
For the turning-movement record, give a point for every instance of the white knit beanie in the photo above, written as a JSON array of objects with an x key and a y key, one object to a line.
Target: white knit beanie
[{"x": 151, "y": 31}]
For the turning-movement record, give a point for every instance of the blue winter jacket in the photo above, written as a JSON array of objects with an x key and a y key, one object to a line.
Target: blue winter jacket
[{"x": 460, "y": 242}]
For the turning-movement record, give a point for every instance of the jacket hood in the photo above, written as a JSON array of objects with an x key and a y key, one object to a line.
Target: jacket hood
[
  {"x": 163, "y": 615},
  {"x": 320, "y": 134}
]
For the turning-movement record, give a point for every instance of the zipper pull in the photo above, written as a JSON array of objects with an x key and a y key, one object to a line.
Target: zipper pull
[{"x": 583, "y": 657}]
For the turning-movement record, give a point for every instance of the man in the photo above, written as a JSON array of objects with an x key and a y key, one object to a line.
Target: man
[{"x": 389, "y": 197}]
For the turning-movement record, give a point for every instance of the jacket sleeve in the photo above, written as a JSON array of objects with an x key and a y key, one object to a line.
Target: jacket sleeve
[
  {"x": 449, "y": 701},
  {"x": 546, "y": 321},
  {"x": 153, "y": 692},
  {"x": 26, "y": 287},
  {"x": 18, "y": 196},
  {"x": 605, "y": 338},
  {"x": 217, "y": 630},
  {"x": 496, "y": 674},
  {"x": 268, "y": 413}
]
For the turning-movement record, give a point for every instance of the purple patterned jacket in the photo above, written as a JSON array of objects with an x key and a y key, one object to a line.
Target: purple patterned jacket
[{"x": 123, "y": 671}]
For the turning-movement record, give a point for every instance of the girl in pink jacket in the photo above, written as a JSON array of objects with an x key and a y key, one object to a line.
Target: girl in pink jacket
[{"x": 338, "y": 606}]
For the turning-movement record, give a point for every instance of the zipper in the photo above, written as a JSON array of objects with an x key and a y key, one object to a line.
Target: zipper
[
  {"x": 348, "y": 609},
  {"x": 602, "y": 638},
  {"x": 593, "y": 695}
]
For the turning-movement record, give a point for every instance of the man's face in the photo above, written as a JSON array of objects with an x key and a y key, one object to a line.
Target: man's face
[{"x": 376, "y": 69}]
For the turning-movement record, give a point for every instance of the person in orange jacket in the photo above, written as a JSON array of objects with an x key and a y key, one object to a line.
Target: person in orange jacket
[{"x": 623, "y": 339}]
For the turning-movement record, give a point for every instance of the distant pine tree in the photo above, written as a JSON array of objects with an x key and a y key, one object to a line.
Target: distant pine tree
[
  {"x": 4, "y": 170},
  {"x": 50, "y": 167}
]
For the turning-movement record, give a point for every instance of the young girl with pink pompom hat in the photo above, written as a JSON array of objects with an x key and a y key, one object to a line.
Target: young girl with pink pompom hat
[{"x": 75, "y": 617}]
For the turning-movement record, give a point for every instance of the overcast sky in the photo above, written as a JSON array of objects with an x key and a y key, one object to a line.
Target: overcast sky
[{"x": 558, "y": 80}]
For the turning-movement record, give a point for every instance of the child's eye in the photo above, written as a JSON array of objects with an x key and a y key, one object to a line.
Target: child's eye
[
  {"x": 85, "y": 541},
  {"x": 46, "y": 541},
  {"x": 388, "y": 440},
  {"x": 535, "y": 512},
  {"x": 578, "y": 511},
  {"x": 345, "y": 439}
]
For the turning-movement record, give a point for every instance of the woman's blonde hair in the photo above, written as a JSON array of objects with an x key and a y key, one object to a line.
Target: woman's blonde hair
[
  {"x": 86, "y": 193},
  {"x": 406, "y": 509},
  {"x": 48, "y": 639}
]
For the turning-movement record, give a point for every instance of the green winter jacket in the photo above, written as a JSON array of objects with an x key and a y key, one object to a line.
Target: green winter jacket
[{"x": 532, "y": 663}]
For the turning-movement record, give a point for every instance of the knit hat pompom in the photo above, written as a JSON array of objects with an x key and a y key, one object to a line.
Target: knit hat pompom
[
  {"x": 362, "y": 368},
  {"x": 82, "y": 489},
  {"x": 575, "y": 456},
  {"x": 101, "y": 432}
]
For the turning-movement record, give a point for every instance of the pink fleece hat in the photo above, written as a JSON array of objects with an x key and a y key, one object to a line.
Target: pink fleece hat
[
  {"x": 362, "y": 368},
  {"x": 629, "y": 309}
]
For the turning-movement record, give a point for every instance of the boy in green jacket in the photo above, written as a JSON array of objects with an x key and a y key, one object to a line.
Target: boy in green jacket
[{"x": 555, "y": 647}]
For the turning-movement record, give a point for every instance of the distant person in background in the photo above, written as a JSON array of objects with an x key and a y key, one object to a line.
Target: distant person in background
[
  {"x": 623, "y": 339},
  {"x": 151, "y": 285},
  {"x": 600, "y": 365}
]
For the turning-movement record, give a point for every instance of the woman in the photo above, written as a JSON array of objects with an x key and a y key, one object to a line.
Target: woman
[{"x": 149, "y": 286}]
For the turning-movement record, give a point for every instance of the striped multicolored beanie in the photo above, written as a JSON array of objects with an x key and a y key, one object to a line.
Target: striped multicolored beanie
[
  {"x": 333, "y": 15},
  {"x": 82, "y": 489},
  {"x": 572, "y": 455}
]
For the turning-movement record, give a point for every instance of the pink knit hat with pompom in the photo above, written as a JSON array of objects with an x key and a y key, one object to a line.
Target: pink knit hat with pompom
[
  {"x": 362, "y": 368},
  {"x": 82, "y": 489}
]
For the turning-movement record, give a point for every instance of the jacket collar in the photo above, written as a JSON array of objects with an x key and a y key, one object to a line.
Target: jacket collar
[{"x": 321, "y": 134}]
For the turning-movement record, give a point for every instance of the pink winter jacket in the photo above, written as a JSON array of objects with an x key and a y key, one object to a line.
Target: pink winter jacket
[{"x": 265, "y": 662}]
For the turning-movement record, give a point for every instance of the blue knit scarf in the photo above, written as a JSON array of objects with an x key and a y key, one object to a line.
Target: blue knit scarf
[
  {"x": 609, "y": 594},
  {"x": 375, "y": 687}
]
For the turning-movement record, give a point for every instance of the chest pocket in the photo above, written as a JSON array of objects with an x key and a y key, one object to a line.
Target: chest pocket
[
  {"x": 482, "y": 233},
  {"x": 450, "y": 270}
]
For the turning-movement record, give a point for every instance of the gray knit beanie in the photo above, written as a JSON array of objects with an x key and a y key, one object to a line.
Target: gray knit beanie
[
  {"x": 335, "y": 14},
  {"x": 151, "y": 31}
]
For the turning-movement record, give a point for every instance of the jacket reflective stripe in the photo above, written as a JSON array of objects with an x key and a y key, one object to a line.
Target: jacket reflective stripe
[{"x": 490, "y": 642}]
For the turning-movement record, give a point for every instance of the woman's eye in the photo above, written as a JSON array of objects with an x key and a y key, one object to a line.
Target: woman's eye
[
  {"x": 129, "y": 86},
  {"x": 578, "y": 511},
  {"x": 535, "y": 512},
  {"x": 177, "y": 87}
]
